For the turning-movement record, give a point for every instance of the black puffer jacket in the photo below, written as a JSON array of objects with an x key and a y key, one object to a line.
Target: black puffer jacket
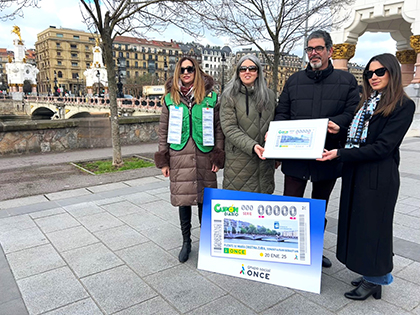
[{"x": 309, "y": 94}]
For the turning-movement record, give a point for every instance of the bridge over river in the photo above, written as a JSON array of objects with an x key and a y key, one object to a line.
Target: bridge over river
[
  {"x": 65, "y": 107},
  {"x": 259, "y": 237}
]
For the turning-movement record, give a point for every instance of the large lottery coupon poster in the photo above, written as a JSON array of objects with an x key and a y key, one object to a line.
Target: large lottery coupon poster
[{"x": 267, "y": 238}]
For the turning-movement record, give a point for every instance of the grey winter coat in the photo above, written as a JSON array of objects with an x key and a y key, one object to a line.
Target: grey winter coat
[
  {"x": 244, "y": 127},
  {"x": 189, "y": 169}
]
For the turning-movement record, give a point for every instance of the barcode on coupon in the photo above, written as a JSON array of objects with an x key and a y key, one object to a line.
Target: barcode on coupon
[
  {"x": 217, "y": 235},
  {"x": 302, "y": 237}
]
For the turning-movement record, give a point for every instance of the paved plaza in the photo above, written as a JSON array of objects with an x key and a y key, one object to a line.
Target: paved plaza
[{"x": 112, "y": 249}]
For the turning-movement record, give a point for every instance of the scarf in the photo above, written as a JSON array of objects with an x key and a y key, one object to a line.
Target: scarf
[
  {"x": 358, "y": 130},
  {"x": 186, "y": 92}
]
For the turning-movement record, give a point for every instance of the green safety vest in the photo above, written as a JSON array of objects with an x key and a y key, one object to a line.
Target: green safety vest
[{"x": 192, "y": 122}]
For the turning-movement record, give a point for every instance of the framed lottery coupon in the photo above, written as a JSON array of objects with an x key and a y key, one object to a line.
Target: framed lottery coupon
[
  {"x": 296, "y": 139},
  {"x": 266, "y": 238}
]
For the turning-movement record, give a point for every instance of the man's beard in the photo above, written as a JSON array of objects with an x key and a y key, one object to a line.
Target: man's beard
[{"x": 317, "y": 64}]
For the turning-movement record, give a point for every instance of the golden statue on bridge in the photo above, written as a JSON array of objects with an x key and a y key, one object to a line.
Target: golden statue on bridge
[{"x": 16, "y": 30}]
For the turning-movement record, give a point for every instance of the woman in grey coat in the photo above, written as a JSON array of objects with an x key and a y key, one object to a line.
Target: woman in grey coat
[{"x": 247, "y": 107}]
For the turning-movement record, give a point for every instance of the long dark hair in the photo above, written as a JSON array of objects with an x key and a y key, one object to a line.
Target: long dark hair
[{"x": 393, "y": 93}]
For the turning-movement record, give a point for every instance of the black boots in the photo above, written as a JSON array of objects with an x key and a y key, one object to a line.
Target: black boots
[
  {"x": 356, "y": 281},
  {"x": 326, "y": 262},
  {"x": 364, "y": 290},
  {"x": 185, "y": 220}
]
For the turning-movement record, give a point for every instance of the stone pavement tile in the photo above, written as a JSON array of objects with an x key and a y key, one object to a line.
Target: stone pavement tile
[
  {"x": 330, "y": 240},
  {"x": 117, "y": 289},
  {"x": 345, "y": 275},
  {"x": 142, "y": 181},
  {"x": 143, "y": 221},
  {"x": 140, "y": 198},
  {"x": 121, "y": 208},
  {"x": 147, "y": 258},
  {"x": 8, "y": 288},
  {"x": 83, "y": 209},
  {"x": 105, "y": 201},
  {"x": 297, "y": 304},
  {"x": 404, "y": 208},
  {"x": 416, "y": 310},
  {"x": 160, "y": 191},
  {"x": 226, "y": 305},
  {"x": 410, "y": 273},
  {"x": 400, "y": 263},
  {"x": 155, "y": 306},
  {"x": 407, "y": 249},
  {"x": 34, "y": 260},
  {"x": 402, "y": 294},
  {"x": 184, "y": 288},
  {"x": 100, "y": 221},
  {"x": 16, "y": 223},
  {"x": 57, "y": 222},
  {"x": 332, "y": 294},
  {"x": 19, "y": 202},
  {"x": 263, "y": 295},
  {"x": 406, "y": 233},
  {"x": 106, "y": 187},
  {"x": 65, "y": 194},
  {"x": 18, "y": 240},
  {"x": 32, "y": 208},
  {"x": 46, "y": 213},
  {"x": 407, "y": 220},
  {"x": 13, "y": 307},
  {"x": 91, "y": 259},
  {"x": 71, "y": 238},
  {"x": 83, "y": 307},
  {"x": 371, "y": 307},
  {"x": 120, "y": 237},
  {"x": 163, "y": 210},
  {"x": 50, "y": 290},
  {"x": 167, "y": 236}
]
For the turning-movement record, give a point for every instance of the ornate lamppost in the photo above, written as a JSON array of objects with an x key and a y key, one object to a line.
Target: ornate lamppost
[
  {"x": 48, "y": 86},
  {"x": 223, "y": 71}
]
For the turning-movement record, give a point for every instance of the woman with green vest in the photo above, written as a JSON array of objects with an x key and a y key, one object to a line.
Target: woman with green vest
[
  {"x": 190, "y": 142},
  {"x": 247, "y": 107}
]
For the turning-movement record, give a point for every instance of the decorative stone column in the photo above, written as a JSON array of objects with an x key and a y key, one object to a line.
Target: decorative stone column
[
  {"x": 415, "y": 43},
  {"x": 407, "y": 58},
  {"x": 341, "y": 55}
]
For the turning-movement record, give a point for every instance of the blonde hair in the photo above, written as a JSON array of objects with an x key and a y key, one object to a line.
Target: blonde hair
[{"x": 199, "y": 82}]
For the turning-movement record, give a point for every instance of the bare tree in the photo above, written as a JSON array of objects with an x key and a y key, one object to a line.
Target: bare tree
[
  {"x": 11, "y": 8},
  {"x": 116, "y": 17},
  {"x": 280, "y": 24}
]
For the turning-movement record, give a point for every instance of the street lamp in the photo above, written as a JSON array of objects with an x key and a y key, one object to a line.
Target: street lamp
[
  {"x": 120, "y": 64},
  {"x": 98, "y": 75},
  {"x": 223, "y": 71},
  {"x": 55, "y": 84},
  {"x": 48, "y": 86},
  {"x": 77, "y": 85}
]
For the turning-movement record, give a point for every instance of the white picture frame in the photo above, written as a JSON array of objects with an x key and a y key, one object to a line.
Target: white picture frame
[{"x": 296, "y": 139}]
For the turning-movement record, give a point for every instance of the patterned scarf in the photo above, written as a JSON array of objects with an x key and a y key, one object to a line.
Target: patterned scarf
[
  {"x": 358, "y": 130},
  {"x": 187, "y": 92}
]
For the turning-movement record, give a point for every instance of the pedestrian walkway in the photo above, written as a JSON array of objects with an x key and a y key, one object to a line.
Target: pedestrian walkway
[{"x": 112, "y": 249}]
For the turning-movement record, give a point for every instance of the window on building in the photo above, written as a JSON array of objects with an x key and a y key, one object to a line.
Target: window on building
[
  {"x": 136, "y": 64},
  {"x": 156, "y": 57},
  {"x": 91, "y": 39},
  {"x": 128, "y": 63},
  {"x": 57, "y": 45},
  {"x": 73, "y": 46},
  {"x": 120, "y": 54},
  {"x": 137, "y": 74},
  {"x": 136, "y": 56},
  {"x": 75, "y": 75},
  {"x": 87, "y": 65},
  {"x": 144, "y": 65},
  {"x": 59, "y": 35},
  {"x": 58, "y": 53},
  {"x": 73, "y": 55},
  {"x": 86, "y": 47},
  {"x": 127, "y": 55},
  {"x": 87, "y": 56},
  {"x": 126, "y": 48},
  {"x": 128, "y": 74},
  {"x": 144, "y": 56},
  {"x": 59, "y": 74},
  {"x": 74, "y": 64},
  {"x": 76, "y": 37},
  {"x": 59, "y": 62}
]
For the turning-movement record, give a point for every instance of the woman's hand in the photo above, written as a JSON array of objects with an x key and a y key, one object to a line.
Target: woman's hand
[
  {"x": 328, "y": 155},
  {"x": 259, "y": 150},
  {"x": 333, "y": 127},
  {"x": 214, "y": 168},
  {"x": 165, "y": 171}
]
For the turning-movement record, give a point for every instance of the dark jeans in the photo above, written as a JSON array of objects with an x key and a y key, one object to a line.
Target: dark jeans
[{"x": 295, "y": 187}]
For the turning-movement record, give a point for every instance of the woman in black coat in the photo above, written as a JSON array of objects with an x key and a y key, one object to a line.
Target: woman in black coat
[{"x": 370, "y": 178}]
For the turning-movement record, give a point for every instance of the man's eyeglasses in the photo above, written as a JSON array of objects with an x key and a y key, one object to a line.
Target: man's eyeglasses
[
  {"x": 318, "y": 49},
  {"x": 250, "y": 69},
  {"x": 379, "y": 73},
  {"x": 190, "y": 69}
]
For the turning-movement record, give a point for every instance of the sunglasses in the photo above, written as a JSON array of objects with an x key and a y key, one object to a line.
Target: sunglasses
[
  {"x": 318, "y": 49},
  {"x": 190, "y": 69},
  {"x": 379, "y": 73},
  {"x": 250, "y": 69}
]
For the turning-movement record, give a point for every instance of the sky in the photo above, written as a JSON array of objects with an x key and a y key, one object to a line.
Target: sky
[{"x": 67, "y": 14}]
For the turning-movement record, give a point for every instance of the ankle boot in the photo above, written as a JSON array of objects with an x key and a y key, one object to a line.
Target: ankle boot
[
  {"x": 200, "y": 212},
  {"x": 364, "y": 290},
  {"x": 185, "y": 220},
  {"x": 356, "y": 282}
]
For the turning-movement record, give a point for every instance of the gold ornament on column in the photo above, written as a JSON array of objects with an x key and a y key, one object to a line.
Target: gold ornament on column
[
  {"x": 16, "y": 30},
  {"x": 343, "y": 51},
  {"x": 406, "y": 57},
  {"x": 415, "y": 43}
]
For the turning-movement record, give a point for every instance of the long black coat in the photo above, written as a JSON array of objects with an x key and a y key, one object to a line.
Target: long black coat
[
  {"x": 309, "y": 94},
  {"x": 370, "y": 184}
]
